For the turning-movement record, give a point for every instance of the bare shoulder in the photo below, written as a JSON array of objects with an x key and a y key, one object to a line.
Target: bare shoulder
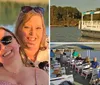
[
  {"x": 40, "y": 71},
  {"x": 41, "y": 76}
]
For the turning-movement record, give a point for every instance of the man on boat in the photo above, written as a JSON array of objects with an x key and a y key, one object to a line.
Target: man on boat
[{"x": 94, "y": 63}]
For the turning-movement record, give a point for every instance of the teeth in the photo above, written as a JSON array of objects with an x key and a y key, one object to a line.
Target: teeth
[{"x": 7, "y": 53}]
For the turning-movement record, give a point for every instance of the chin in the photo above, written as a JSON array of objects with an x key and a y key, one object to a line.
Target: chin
[{"x": 31, "y": 48}]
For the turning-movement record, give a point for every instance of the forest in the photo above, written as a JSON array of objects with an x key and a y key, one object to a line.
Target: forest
[{"x": 68, "y": 16}]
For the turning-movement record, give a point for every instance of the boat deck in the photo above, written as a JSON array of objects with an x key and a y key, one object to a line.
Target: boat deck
[{"x": 78, "y": 79}]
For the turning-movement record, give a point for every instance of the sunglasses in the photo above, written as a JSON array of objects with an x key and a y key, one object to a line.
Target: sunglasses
[
  {"x": 26, "y": 9},
  {"x": 6, "y": 40}
]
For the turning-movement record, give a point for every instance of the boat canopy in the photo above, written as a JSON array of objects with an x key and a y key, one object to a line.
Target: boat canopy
[{"x": 86, "y": 13}]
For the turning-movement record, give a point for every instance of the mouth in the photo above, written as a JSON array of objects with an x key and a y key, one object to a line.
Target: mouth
[
  {"x": 31, "y": 38},
  {"x": 7, "y": 53}
]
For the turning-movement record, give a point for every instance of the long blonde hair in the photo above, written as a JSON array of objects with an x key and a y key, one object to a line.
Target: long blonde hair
[{"x": 22, "y": 19}]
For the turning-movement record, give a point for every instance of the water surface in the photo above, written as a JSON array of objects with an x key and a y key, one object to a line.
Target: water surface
[{"x": 69, "y": 34}]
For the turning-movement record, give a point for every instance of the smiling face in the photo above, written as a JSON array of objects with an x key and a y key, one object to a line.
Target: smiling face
[
  {"x": 10, "y": 51},
  {"x": 32, "y": 32}
]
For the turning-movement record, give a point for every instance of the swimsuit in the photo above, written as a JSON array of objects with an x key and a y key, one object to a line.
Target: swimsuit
[{"x": 3, "y": 82}]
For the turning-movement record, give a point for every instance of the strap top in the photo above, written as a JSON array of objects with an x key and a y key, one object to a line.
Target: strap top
[{"x": 35, "y": 77}]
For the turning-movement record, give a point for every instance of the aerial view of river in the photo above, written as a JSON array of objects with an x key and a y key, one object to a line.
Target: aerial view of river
[{"x": 69, "y": 34}]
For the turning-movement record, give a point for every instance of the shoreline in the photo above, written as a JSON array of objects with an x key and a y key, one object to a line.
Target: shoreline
[{"x": 61, "y": 26}]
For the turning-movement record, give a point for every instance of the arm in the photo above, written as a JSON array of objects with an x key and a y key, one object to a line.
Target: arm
[{"x": 97, "y": 65}]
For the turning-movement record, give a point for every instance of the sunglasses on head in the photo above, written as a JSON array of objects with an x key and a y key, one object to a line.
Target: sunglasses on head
[
  {"x": 26, "y": 9},
  {"x": 6, "y": 40}
]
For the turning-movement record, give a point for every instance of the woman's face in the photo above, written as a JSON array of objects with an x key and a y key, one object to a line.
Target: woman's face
[
  {"x": 32, "y": 33},
  {"x": 9, "y": 48}
]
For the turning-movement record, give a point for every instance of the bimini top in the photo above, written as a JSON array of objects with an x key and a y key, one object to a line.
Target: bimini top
[{"x": 86, "y": 13}]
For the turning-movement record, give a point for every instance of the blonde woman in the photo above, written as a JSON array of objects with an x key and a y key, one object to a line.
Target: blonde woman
[{"x": 31, "y": 32}]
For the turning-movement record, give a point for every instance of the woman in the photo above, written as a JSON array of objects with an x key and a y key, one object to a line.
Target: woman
[
  {"x": 31, "y": 32},
  {"x": 13, "y": 71},
  {"x": 86, "y": 60}
]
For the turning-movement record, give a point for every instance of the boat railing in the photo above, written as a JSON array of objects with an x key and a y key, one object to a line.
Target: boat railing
[{"x": 89, "y": 25}]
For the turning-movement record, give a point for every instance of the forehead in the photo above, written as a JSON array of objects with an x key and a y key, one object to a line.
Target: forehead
[
  {"x": 35, "y": 19},
  {"x": 3, "y": 33},
  {"x": 95, "y": 58}
]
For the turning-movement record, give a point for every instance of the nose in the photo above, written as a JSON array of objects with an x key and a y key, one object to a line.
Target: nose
[
  {"x": 2, "y": 47},
  {"x": 32, "y": 32}
]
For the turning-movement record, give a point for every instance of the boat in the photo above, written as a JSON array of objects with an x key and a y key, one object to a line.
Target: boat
[
  {"x": 90, "y": 28},
  {"x": 58, "y": 75},
  {"x": 66, "y": 79},
  {"x": 61, "y": 73}
]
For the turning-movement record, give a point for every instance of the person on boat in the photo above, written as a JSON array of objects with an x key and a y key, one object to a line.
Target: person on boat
[
  {"x": 75, "y": 54},
  {"x": 14, "y": 70},
  {"x": 94, "y": 63},
  {"x": 86, "y": 60},
  {"x": 31, "y": 32},
  {"x": 52, "y": 54},
  {"x": 58, "y": 55},
  {"x": 79, "y": 57}
]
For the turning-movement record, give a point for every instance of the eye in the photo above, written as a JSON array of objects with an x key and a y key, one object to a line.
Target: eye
[
  {"x": 38, "y": 28},
  {"x": 27, "y": 27}
]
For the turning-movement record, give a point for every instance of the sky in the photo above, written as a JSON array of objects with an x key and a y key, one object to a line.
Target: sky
[{"x": 81, "y": 5}]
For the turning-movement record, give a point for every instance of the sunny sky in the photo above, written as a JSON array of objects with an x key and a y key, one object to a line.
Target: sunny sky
[{"x": 81, "y": 5}]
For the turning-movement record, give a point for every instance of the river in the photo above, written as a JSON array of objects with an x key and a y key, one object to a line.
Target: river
[
  {"x": 69, "y": 34},
  {"x": 9, "y": 12}
]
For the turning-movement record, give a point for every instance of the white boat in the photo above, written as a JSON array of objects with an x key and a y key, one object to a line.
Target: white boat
[
  {"x": 90, "y": 28},
  {"x": 63, "y": 79}
]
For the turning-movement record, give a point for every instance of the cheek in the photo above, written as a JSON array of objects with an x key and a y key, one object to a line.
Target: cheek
[
  {"x": 15, "y": 46},
  {"x": 40, "y": 34},
  {"x": 40, "y": 37},
  {"x": 23, "y": 34}
]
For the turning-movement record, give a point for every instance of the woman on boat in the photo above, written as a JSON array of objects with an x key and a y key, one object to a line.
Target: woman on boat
[
  {"x": 13, "y": 70},
  {"x": 31, "y": 32},
  {"x": 86, "y": 60}
]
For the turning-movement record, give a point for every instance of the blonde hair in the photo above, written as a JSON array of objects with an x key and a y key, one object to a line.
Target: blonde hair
[
  {"x": 22, "y": 19},
  {"x": 87, "y": 59}
]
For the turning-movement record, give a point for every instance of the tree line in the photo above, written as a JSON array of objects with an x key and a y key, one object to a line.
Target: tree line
[{"x": 67, "y": 16}]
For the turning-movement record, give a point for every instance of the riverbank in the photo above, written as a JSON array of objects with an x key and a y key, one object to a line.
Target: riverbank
[
  {"x": 67, "y": 23},
  {"x": 61, "y": 26}
]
